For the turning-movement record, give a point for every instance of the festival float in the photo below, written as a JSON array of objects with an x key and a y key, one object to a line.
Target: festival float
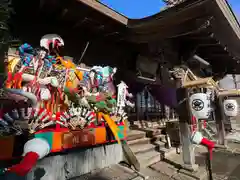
[{"x": 57, "y": 105}]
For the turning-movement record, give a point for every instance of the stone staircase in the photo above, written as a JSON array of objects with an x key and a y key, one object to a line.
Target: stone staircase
[
  {"x": 235, "y": 123},
  {"x": 210, "y": 130},
  {"x": 149, "y": 146},
  {"x": 234, "y": 136}
]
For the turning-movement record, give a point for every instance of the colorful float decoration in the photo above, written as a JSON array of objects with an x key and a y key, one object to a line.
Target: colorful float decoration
[{"x": 58, "y": 105}]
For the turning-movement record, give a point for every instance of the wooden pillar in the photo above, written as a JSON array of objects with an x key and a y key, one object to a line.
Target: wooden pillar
[
  {"x": 183, "y": 110},
  {"x": 163, "y": 112},
  {"x": 137, "y": 106},
  {"x": 142, "y": 108},
  {"x": 154, "y": 105},
  {"x": 146, "y": 97},
  {"x": 220, "y": 117}
]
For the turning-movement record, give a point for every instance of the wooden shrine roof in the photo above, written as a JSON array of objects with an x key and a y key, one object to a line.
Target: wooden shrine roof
[
  {"x": 79, "y": 19},
  {"x": 209, "y": 25},
  {"x": 148, "y": 28},
  {"x": 106, "y": 10}
]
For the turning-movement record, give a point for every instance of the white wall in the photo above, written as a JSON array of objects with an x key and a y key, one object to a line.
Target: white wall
[{"x": 228, "y": 83}]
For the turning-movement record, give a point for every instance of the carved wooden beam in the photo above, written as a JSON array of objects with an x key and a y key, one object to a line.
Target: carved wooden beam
[
  {"x": 105, "y": 10},
  {"x": 200, "y": 83},
  {"x": 231, "y": 93}
]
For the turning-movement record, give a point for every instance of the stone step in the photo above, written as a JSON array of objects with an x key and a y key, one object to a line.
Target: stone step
[
  {"x": 150, "y": 155},
  {"x": 146, "y": 173},
  {"x": 139, "y": 141},
  {"x": 234, "y": 121},
  {"x": 212, "y": 127},
  {"x": 160, "y": 137},
  {"x": 147, "y": 124},
  {"x": 142, "y": 148},
  {"x": 167, "y": 152},
  {"x": 147, "y": 140},
  {"x": 152, "y": 175},
  {"x": 235, "y": 126},
  {"x": 135, "y": 134},
  {"x": 153, "y": 132},
  {"x": 115, "y": 171},
  {"x": 148, "y": 158},
  {"x": 148, "y": 150},
  {"x": 172, "y": 166},
  {"x": 165, "y": 168}
]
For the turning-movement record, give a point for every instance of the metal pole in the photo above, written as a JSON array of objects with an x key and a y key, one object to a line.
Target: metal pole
[
  {"x": 83, "y": 53},
  {"x": 209, "y": 165},
  {"x": 234, "y": 80},
  {"x": 201, "y": 60}
]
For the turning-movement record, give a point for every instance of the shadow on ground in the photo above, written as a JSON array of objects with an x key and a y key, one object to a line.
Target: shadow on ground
[
  {"x": 39, "y": 177},
  {"x": 95, "y": 177},
  {"x": 225, "y": 165}
]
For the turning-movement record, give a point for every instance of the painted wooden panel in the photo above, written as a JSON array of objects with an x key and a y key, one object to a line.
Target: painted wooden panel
[
  {"x": 81, "y": 138},
  {"x": 100, "y": 135},
  {"x": 57, "y": 142},
  {"x": 63, "y": 140},
  {"x": 60, "y": 141},
  {"x": 7, "y": 145}
]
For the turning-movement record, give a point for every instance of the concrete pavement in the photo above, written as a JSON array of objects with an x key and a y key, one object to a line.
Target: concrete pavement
[{"x": 225, "y": 166}]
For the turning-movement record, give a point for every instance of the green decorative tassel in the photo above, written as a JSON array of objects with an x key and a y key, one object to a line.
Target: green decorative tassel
[
  {"x": 3, "y": 171},
  {"x": 73, "y": 96}
]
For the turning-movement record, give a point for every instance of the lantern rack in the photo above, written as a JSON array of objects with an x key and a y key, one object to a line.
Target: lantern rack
[
  {"x": 201, "y": 83},
  {"x": 229, "y": 93},
  {"x": 190, "y": 80}
]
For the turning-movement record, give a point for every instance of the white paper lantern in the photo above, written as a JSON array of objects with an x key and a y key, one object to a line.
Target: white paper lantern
[
  {"x": 230, "y": 107},
  {"x": 200, "y": 105}
]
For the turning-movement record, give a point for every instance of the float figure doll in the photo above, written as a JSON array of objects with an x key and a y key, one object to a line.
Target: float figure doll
[
  {"x": 67, "y": 108},
  {"x": 35, "y": 148}
]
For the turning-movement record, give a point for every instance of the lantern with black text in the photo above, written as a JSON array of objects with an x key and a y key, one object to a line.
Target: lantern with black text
[
  {"x": 200, "y": 105},
  {"x": 230, "y": 107}
]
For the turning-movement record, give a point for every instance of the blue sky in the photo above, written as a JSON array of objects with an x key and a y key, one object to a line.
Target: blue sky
[
  {"x": 142, "y": 8},
  {"x": 235, "y": 4}
]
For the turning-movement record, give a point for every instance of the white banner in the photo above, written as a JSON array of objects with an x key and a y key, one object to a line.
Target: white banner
[{"x": 121, "y": 98}]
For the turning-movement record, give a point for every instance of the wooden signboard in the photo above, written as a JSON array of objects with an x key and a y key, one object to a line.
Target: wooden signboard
[
  {"x": 79, "y": 138},
  {"x": 84, "y": 138}
]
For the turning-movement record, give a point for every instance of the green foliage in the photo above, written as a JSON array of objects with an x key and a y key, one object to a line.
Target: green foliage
[{"x": 5, "y": 12}]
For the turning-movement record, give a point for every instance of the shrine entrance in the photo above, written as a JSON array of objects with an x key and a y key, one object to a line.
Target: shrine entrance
[{"x": 149, "y": 112}]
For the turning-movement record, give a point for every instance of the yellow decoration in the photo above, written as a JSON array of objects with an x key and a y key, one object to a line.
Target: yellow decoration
[
  {"x": 112, "y": 125},
  {"x": 12, "y": 63},
  {"x": 68, "y": 64}
]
